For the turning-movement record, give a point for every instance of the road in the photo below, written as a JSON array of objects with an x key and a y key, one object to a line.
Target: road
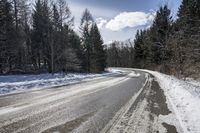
[{"x": 130, "y": 101}]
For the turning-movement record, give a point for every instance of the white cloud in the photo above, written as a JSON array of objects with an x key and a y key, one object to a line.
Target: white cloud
[
  {"x": 101, "y": 22},
  {"x": 129, "y": 20}
]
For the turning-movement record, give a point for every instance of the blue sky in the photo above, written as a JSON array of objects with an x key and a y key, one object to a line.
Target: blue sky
[{"x": 120, "y": 19}]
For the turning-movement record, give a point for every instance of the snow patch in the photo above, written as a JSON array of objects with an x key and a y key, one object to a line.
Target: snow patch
[
  {"x": 193, "y": 82},
  {"x": 7, "y": 110},
  {"x": 114, "y": 70},
  {"x": 19, "y": 83},
  {"x": 184, "y": 98},
  {"x": 134, "y": 74}
]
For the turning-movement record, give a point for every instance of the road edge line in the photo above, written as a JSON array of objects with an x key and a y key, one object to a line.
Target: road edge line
[{"x": 125, "y": 108}]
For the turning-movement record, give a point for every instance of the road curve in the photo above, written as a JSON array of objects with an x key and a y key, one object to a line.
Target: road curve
[
  {"x": 83, "y": 107},
  {"x": 129, "y": 102}
]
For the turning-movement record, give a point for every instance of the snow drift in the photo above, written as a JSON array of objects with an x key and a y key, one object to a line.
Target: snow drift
[
  {"x": 18, "y": 83},
  {"x": 184, "y": 98}
]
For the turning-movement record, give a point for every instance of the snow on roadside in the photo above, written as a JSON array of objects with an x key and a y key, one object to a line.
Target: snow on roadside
[
  {"x": 134, "y": 74},
  {"x": 114, "y": 70},
  {"x": 184, "y": 98},
  {"x": 124, "y": 70},
  {"x": 193, "y": 82},
  {"x": 18, "y": 83}
]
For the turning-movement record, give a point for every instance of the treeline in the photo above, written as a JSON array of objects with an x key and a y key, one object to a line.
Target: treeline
[
  {"x": 120, "y": 54},
  {"x": 43, "y": 39},
  {"x": 170, "y": 46}
]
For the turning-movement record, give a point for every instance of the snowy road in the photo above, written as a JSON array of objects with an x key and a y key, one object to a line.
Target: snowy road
[{"x": 126, "y": 102}]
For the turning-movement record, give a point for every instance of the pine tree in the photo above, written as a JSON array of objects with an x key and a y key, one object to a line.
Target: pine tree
[
  {"x": 142, "y": 51},
  {"x": 138, "y": 54},
  {"x": 37, "y": 34},
  {"x": 22, "y": 30},
  {"x": 160, "y": 31},
  {"x": 113, "y": 55},
  {"x": 151, "y": 48},
  {"x": 7, "y": 37},
  {"x": 98, "y": 59},
  {"x": 185, "y": 39},
  {"x": 86, "y": 23},
  {"x": 65, "y": 27},
  {"x": 41, "y": 36},
  {"x": 75, "y": 44},
  {"x": 72, "y": 61},
  {"x": 49, "y": 44}
]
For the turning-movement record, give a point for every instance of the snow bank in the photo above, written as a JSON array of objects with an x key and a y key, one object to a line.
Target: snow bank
[
  {"x": 193, "y": 82},
  {"x": 18, "y": 83},
  {"x": 185, "y": 100},
  {"x": 134, "y": 74},
  {"x": 115, "y": 70},
  {"x": 119, "y": 70}
]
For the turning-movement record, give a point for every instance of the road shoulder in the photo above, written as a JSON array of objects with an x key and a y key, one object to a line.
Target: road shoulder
[{"x": 149, "y": 112}]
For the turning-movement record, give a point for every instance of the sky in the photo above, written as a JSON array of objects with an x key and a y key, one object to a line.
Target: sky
[{"x": 120, "y": 19}]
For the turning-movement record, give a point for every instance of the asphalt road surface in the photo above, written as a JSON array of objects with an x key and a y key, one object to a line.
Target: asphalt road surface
[{"x": 130, "y": 101}]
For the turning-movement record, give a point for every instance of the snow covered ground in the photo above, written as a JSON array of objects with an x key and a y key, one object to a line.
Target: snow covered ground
[
  {"x": 134, "y": 74},
  {"x": 194, "y": 82},
  {"x": 18, "y": 83},
  {"x": 184, "y": 97}
]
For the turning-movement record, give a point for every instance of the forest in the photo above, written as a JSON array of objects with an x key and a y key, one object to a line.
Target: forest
[
  {"x": 42, "y": 39},
  {"x": 171, "y": 46}
]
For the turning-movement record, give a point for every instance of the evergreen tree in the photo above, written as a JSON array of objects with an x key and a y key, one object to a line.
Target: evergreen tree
[
  {"x": 75, "y": 44},
  {"x": 23, "y": 35},
  {"x": 86, "y": 23},
  {"x": 41, "y": 36},
  {"x": 69, "y": 54},
  {"x": 54, "y": 47},
  {"x": 160, "y": 32},
  {"x": 185, "y": 39},
  {"x": 7, "y": 37},
  {"x": 151, "y": 48},
  {"x": 139, "y": 49},
  {"x": 65, "y": 27},
  {"x": 121, "y": 54},
  {"x": 98, "y": 58},
  {"x": 113, "y": 55},
  {"x": 49, "y": 44},
  {"x": 37, "y": 35}
]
